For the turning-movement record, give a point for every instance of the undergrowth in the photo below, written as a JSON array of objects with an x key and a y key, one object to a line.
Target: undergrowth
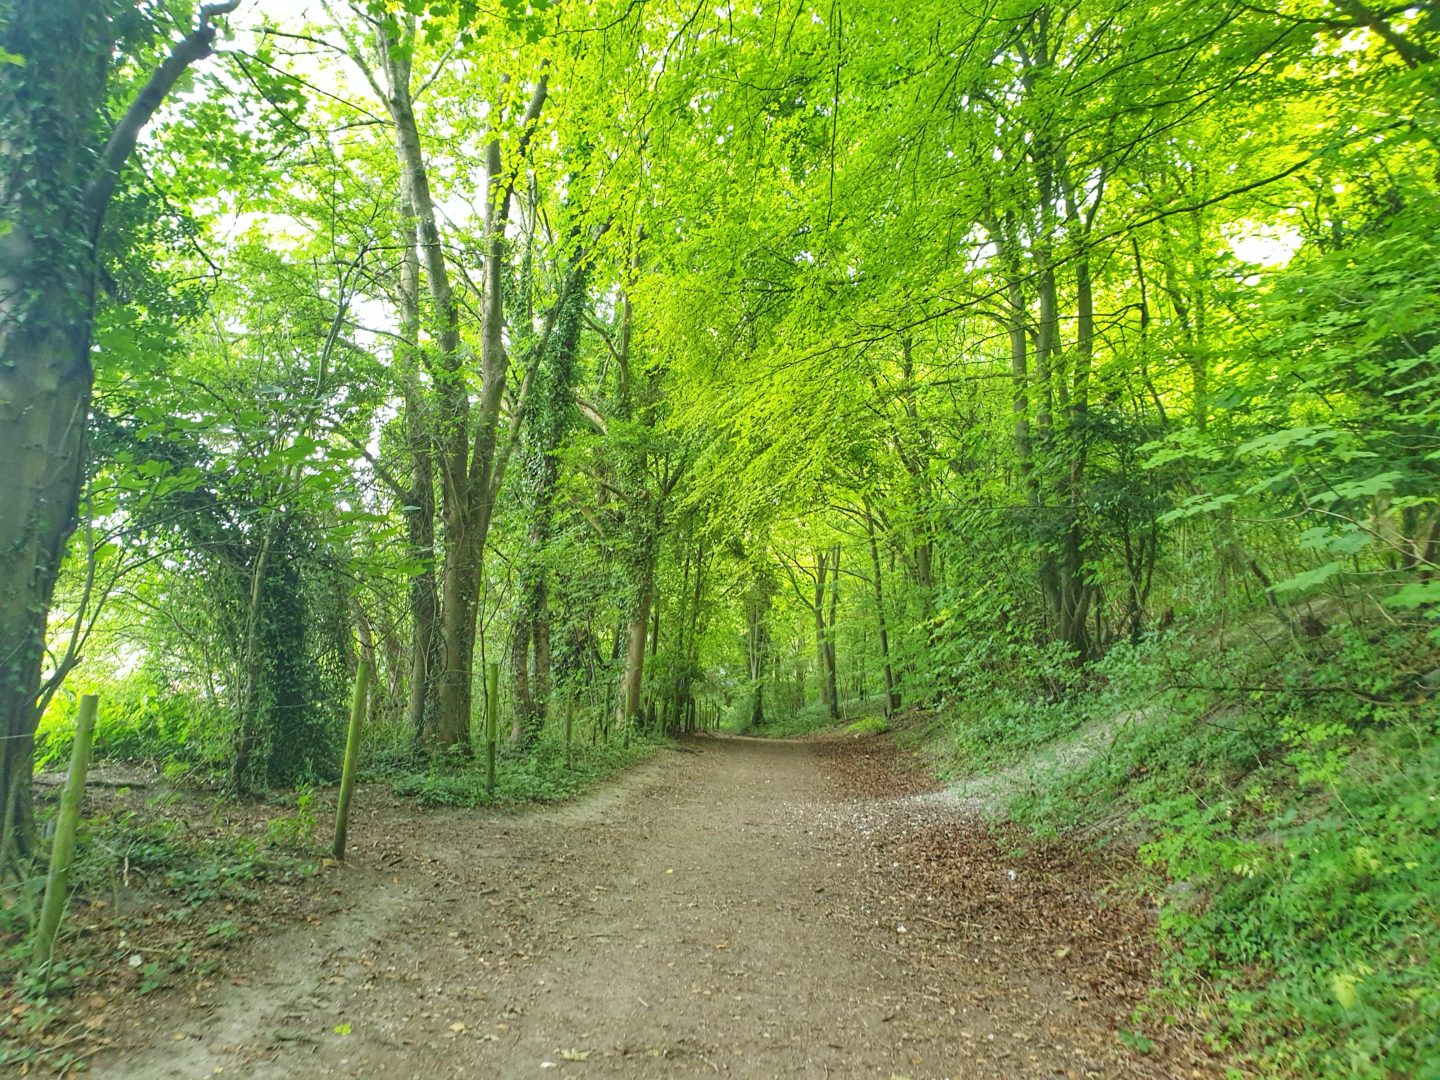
[
  {"x": 156, "y": 891},
  {"x": 1285, "y": 793},
  {"x": 539, "y": 773},
  {"x": 856, "y": 716}
]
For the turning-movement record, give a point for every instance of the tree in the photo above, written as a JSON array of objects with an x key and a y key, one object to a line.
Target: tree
[{"x": 61, "y": 168}]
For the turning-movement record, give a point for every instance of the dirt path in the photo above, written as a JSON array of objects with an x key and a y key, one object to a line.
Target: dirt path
[{"x": 724, "y": 911}]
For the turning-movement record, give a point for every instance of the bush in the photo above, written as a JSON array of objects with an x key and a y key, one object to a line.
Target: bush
[{"x": 141, "y": 718}]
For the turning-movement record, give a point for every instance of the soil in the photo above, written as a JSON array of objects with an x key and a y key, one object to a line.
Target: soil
[{"x": 740, "y": 907}]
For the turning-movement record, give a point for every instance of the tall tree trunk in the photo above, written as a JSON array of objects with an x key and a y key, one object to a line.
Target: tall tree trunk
[
  {"x": 761, "y": 661},
  {"x": 540, "y": 641},
  {"x": 633, "y": 679},
  {"x": 822, "y": 655},
  {"x": 831, "y": 677},
  {"x": 642, "y": 569},
  {"x": 1075, "y": 590},
  {"x": 545, "y": 431},
  {"x": 470, "y": 453},
  {"x": 460, "y": 570},
  {"x": 56, "y": 182},
  {"x": 892, "y": 691},
  {"x": 419, "y": 500},
  {"x": 522, "y": 720},
  {"x": 759, "y": 638},
  {"x": 1017, "y": 329},
  {"x": 247, "y": 705}
]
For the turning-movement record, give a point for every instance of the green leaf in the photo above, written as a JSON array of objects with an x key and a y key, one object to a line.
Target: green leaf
[
  {"x": 1309, "y": 579},
  {"x": 1283, "y": 440},
  {"x": 1416, "y": 594},
  {"x": 1198, "y": 504}
]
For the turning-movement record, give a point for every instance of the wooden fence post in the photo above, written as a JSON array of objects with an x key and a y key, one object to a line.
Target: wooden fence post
[
  {"x": 352, "y": 757},
  {"x": 62, "y": 852},
  {"x": 492, "y": 724},
  {"x": 569, "y": 731}
]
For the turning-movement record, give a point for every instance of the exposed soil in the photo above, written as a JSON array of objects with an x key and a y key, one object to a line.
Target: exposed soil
[{"x": 745, "y": 908}]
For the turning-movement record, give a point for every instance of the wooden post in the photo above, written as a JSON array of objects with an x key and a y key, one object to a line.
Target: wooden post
[
  {"x": 62, "y": 852},
  {"x": 492, "y": 723},
  {"x": 352, "y": 757},
  {"x": 569, "y": 730}
]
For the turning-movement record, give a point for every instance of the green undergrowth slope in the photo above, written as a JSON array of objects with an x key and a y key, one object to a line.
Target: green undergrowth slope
[
  {"x": 1282, "y": 783},
  {"x": 857, "y": 717}
]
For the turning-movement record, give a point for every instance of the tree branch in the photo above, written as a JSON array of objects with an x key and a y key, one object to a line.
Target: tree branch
[{"x": 195, "y": 46}]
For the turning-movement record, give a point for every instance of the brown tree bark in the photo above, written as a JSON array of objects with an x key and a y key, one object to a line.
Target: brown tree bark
[
  {"x": 419, "y": 496},
  {"x": 822, "y": 656}
]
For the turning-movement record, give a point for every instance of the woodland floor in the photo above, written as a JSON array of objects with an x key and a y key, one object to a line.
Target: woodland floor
[{"x": 740, "y": 908}]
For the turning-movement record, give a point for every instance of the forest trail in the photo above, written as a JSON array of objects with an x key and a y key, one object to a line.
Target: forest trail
[{"x": 747, "y": 909}]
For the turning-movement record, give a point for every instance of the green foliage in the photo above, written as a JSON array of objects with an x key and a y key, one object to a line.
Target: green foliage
[
  {"x": 869, "y": 725},
  {"x": 790, "y": 725},
  {"x": 538, "y": 773},
  {"x": 143, "y": 717},
  {"x": 161, "y": 851},
  {"x": 295, "y": 831},
  {"x": 1059, "y": 346},
  {"x": 1287, "y": 790}
]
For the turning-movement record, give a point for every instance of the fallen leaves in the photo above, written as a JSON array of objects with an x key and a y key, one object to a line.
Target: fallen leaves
[{"x": 1031, "y": 913}]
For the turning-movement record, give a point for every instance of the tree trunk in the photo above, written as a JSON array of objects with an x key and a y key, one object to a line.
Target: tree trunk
[
  {"x": 419, "y": 500},
  {"x": 633, "y": 679},
  {"x": 759, "y": 647},
  {"x": 892, "y": 692},
  {"x": 540, "y": 641},
  {"x": 1075, "y": 593},
  {"x": 471, "y": 459},
  {"x": 831, "y": 677},
  {"x": 523, "y": 701},
  {"x": 56, "y": 182},
  {"x": 822, "y": 655},
  {"x": 757, "y": 607}
]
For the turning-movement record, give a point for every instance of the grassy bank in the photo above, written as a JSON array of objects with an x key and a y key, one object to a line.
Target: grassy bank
[{"x": 1282, "y": 788}]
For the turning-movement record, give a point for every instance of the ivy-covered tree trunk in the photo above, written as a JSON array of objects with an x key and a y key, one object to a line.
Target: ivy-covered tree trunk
[
  {"x": 759, "y": 651},
  {"x": 57, "y": 173},
  {"x": 550, "y": 415}
]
